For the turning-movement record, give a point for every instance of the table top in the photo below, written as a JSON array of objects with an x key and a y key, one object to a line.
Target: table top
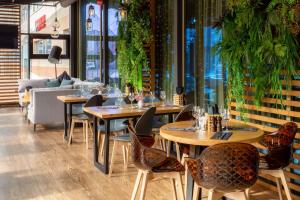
[
  {"x": 109, "y": 112},
  {"x": 73, "y": 99},
  {"x": 204, "y": 138}
]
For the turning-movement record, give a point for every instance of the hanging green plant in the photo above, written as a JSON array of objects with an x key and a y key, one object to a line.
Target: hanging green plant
[
  {"x": 133, "y": 34},
  {"x": 259, "y": 46}
]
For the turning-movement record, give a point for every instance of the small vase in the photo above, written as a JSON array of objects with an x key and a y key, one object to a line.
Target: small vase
[{"x": 140, "y": 104}]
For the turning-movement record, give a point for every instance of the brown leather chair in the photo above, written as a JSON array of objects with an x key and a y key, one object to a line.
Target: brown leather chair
[
  {"x": 153, "y": 164},
  {"x": 227, "y": 169},
  {"x": 279, "y": 155}
]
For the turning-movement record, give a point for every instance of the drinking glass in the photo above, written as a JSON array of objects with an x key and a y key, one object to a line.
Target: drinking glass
[
  {"x": 152, "y": 97},
  {"x": 195, "y": 113},
  {"x": 131, "y": 98},
  {"x": 163, "y": 97},
  {"x": 225, "y": 116}
]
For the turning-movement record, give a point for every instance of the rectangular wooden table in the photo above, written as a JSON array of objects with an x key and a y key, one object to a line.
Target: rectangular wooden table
[
  {"x": 108, "y": 114},
  {"x": 70, "y": 100}
]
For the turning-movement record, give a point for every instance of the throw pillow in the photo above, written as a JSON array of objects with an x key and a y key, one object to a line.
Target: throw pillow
[
  {"x": 63, "y": 76},
  {"x": 53, "y": 83},
  {"x": 66, "y": 82}
]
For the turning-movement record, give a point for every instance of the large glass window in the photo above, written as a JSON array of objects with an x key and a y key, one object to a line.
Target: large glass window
[
  {"x": 204, "y": 73},
  {"x": 36, "y": 29}
]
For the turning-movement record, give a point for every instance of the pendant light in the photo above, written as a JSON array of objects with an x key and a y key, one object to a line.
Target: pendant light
[
  {"x": 89, "y": 24},
  {"x": 91, "y": 11},
  {"x": 55, "y": 25},
  {"x": 122, "y": 13}
]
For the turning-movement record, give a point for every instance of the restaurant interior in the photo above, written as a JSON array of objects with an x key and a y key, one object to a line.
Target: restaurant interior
[{"x": 149, "y": 99}]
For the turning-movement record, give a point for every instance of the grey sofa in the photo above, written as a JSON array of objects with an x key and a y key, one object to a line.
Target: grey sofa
[{"x": 44, "y": 106}]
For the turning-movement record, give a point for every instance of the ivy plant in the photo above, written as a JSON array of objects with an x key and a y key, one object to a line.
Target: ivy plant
[
  {"x": 259, "y": 47},
  {"x": 133, "y": 34}
]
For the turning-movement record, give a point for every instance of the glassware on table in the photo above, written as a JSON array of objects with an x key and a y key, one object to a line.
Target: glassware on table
[
  {"x": 131, "y": 98},
  {"x": 196, "y": 113},
  {"x": 225, "y": 116},
  {"x": 202, "y": 119},
  {"x": 152, "y": 98},
  {"x": 163, "y": 97}
]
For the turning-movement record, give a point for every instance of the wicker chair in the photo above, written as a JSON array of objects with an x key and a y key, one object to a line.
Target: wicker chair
[
  {"x": 227, "y": 169},
  {"x": 279, "y": 155},
  {"x": 144, "y": 131},
  {"x": 154, "y": 164},
  {"x": 85, "y": 119}
]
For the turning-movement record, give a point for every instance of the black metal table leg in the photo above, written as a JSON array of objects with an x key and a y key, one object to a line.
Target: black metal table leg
[
  {"x": 170, "y": 116},
  {"x": 70, "y": 114},
  {"x": 105, "y": 166},
  {"x": 194, "y": 151},
  {"x": 65, "y": 122}
]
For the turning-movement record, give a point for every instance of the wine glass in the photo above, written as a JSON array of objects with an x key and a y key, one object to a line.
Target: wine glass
[
  {"x": 195, "y": 113},
  {"x": 225, "y": 116},
  {"x": 152, "y": 97},
  {"x": 131, "y": 98},
  {"x": 163, "y": 97}
]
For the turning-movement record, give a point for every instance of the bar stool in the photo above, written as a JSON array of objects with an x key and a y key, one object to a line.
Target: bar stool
[
  {"x": 227, "y": 169},
  {"x": 154, "y": 164},
  {"x": 279, "y": 155}
]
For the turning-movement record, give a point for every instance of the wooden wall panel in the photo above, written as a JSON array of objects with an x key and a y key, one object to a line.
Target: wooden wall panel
[
  {"x": 10, "y": 59},
  {"x": 270, "y": 115}
]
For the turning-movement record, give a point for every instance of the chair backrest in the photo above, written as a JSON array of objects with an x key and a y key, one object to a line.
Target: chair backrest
[
  {"x": 144, "y": 124},
  {"x": 226, "y": 167},
  {"x": 186, "y": 114},
  {"x": 288, "y": 130},
  {"x": 277, "y": 158},
  {"x": 96, "y": 100}
]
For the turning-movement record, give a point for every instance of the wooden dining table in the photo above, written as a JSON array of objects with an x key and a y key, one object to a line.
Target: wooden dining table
[
  {"x": 108, "y": 113},
  {"x": 180, "y": 132}
]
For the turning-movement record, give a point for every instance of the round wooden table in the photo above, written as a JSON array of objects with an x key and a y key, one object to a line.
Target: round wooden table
[
  {"x": 199, "y": 140},
  {"x": 204, "y": 138}
]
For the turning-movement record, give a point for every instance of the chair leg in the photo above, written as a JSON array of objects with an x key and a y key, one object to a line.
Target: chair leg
[
  {"x": 196, "y": 192},
  {"x": 285, "y": 185},
  {"x": 87, "y": 134},
  {"x": 144, "y": 185},
  {"x": 136, "y": 185},
  {"x": 177, "y": 152},
  {"x": 212, "y": 195},
  {"x": 180, "y": 186},
  {"x": 114, "y": 151},
  {"x": 71, "y": 132},
  {"x": 279, "y": 188},
  {"x": 90, "y": 127},
  {"x": 185, "y": 177},
  {"x": 173, "y": 188},
  {"x": 168, "y": 148},
  {"x": 247, "y": 192},
  {"x": 124, "y": 156}
]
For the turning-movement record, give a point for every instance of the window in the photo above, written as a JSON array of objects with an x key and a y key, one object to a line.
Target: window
[{"x": 36, "y": 40}]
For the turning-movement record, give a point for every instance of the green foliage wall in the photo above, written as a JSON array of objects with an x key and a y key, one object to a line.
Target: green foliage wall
[
  {"x": 133, "y": 34},
  {"x": 259, "y": 44}
]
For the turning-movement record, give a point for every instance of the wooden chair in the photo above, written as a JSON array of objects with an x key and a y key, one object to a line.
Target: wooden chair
[
  {"x": 279, "y": 155},
  {"x": 154, "y": 164},
  {"x": 143, "y": 128},
  {"x": 227, "y": 169},
  {"x": 85, "y": 120}
]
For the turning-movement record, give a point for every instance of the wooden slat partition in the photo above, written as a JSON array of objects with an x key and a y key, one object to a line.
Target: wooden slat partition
[
  {"x": 269, "y": 116},
  {"x": 10, "y": 59}
]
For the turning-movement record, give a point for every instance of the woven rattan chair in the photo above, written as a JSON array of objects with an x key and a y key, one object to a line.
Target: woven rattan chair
[
  {"x": 279, "y": 155},
  {"x": 227, "y": 169},
  {"x": 85, "y": 120},
  {"x": 154, "y": 164},
  {"x": 143, "y": 129}
]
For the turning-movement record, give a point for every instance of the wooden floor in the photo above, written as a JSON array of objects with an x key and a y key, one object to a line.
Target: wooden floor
[{"x": 40, "y": 165}]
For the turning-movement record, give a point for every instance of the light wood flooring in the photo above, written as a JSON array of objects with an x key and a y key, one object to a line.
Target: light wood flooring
[{"x": 40, "y": 166}]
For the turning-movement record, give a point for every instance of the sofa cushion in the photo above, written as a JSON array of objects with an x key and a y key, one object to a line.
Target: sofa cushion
[
  {"x": 34, "y": 83},
  {"x": 66, "y": 82},
  {"x": 53, "y": 83},
  {"x": 63, "y": 76}
]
